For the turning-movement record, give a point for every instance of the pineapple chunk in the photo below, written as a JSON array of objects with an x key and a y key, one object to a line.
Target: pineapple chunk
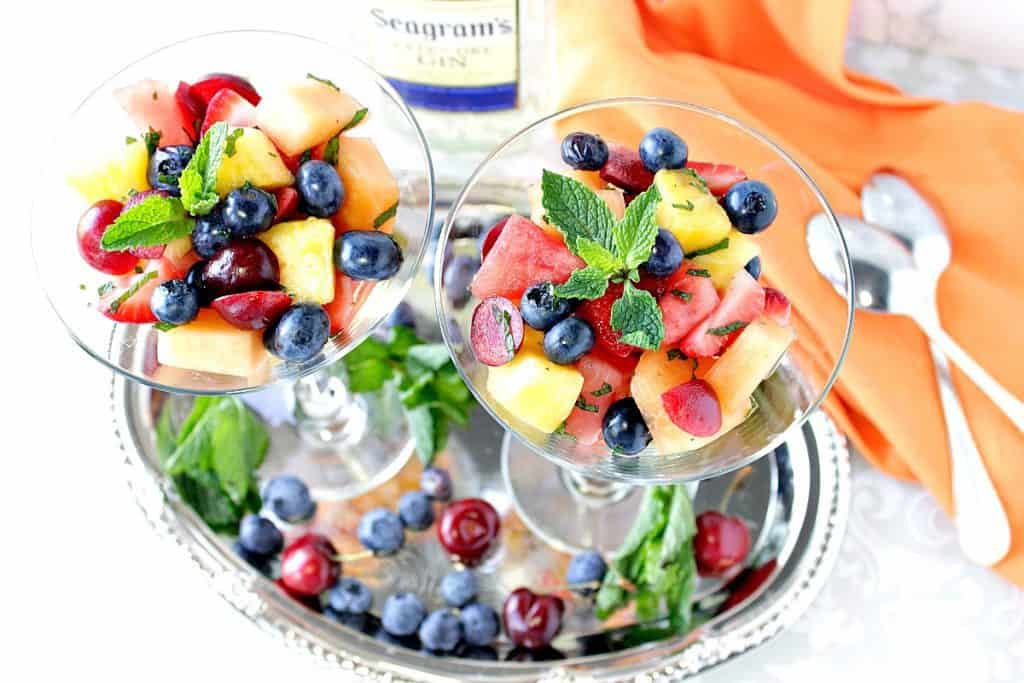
[
  {"x": 612, "y": 197},
  {"x": 725, "y": 263},
  {"x": 370, "y": 188},
  {"x": 655, "y": 374},
  {"x": 689, "y": 211},
  {"x": 304, "y": 254},
  {"x": 748, "y": 362},
  {"x": 255, "y": 161},
  {"x": 301, "y": 115},
  {"x": 210, "y": 344},
  {"x": 116, "y": 177},
  {"x": 533, "y": 389}
]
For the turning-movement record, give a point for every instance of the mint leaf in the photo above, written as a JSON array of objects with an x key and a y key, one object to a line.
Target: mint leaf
[
  {"x": 421, "y": 426},
  {"x": 698, "y": 272},
  {"x": 357, "y": 118},
  {"x": 433, "y": 356},
  {"x": 584, "y": 283},
  {"x": 232, "y": 138},
  {"x": 198, "y": 181},
  {"x": 368, "y": 376},
  {"x": 582, "y": 404},
  {"x": 576, "y": 210},
  {"x": 605, "y": 389},
  {"x": 726, "y": 330},
  {"x": 155, "y": 220},
  {"x": 331, "y": 151},
  {"x": 635, "y": 234},
  {"x": 681, "y": 294},
  {"x": 637, "y": 317},
  {"x": 596, "y": 256},
  {"x": 324, "y": 81},
  {"x": 717, "y": 246},
  {"x": 385, "y": 215}
]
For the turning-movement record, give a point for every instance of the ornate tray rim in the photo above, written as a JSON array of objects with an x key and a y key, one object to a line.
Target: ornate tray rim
[{"x": 256, "y": 598}]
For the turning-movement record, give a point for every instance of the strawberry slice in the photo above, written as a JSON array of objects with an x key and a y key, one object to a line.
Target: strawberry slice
[
  {"x": 211, "y": 84},
  {"x": 491, "y": 237},
  {"x": 227, "y": 105},
  {"x": 130, "y": 304},
  {"x": 742, "y": 303},
  {"x": 719, "y": 177},
  {"x": 287, "y": 202},
  {"x": 598, "y": 313},
  {"x": 252, "y": 310},
  {"x": 776, "y": 305},
  {"x": 624, "y": 169}
]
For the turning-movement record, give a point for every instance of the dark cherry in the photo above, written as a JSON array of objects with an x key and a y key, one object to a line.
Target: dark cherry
[
  {"x": 308, "y": 565},
  {"x": 468, "y": 529},
  {"x": 242, "y": 266},
  {"x": 721, "y": 543},
  {"x": 532, "y": 620},
  {"x": 747, "y": 583},
  {"x": 309, "y": 601}
]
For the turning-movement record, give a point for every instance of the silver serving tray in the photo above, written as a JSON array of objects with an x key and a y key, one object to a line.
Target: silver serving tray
[{"x": 795, "y": 500}]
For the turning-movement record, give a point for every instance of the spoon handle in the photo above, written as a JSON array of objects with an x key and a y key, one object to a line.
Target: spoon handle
[
  {"x": 981, "y": 522},
  {"x": 1004, "y": 400}
]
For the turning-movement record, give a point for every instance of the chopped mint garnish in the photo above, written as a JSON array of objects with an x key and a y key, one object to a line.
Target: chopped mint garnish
[
  {"x": 681, "y": 294},
  {"x": 104, "y": 288},
  {"x": 331, "y": 151},
  {"x": 506, "y": 328},
  {"x": 306, "y": 156},
  {"x": 129, "y": 140},
  {"x": 386, "y": 215},
  {"x": 728, "y": 329},
  {"x": 154, "y": 221},
  {"x": 605, "y": 389},
  {"x": 229, "y": 145},
  {"x": 152, "y": 140},
  {"x": 560, "y": 430},
  {"x": 357, "y": 118},
  {"x": 164, "y": 327},
  {"x": 582, "y": 404},
  {"x": 130, "y": 292},
  {"x": 686, "y": 206},
  {"x": 324, "y": 81},
  {"x": 676, "y": 354},
  {"x": 717, "y": 246},
  {"x": 698, "y": 272}
]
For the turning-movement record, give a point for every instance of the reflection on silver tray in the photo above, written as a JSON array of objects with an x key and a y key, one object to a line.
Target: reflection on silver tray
[{"x": 795, "y": 501}]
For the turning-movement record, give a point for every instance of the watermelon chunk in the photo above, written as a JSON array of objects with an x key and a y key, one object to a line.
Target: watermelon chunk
[
  {"x": 349, "y": 295},
  {"x": 605, "y": 380},
  {"x": 522, "y": 255},
  {"x": 686, "y": 301},
  {"x": 742, "y": 303},
  {"x": 151, "y": 104},
  {"x": 625, "y": 169},
  {"x": 776, "y": 305}
]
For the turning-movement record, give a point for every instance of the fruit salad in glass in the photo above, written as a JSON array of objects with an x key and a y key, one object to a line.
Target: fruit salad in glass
[{"x": 627, "y": 307}]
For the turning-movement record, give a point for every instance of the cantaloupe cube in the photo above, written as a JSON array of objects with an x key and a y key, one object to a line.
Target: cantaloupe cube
[
  {"x": 748, "y": 362},
  {"x": 255, "y": 161},
  {"x": 655, "y": 374},
  {"x": 591, "y": 179},
  {"x": 533, "y": 389},
  {"x": 301, "y": 115},
  {"x": 210, "y": 344},
  {"x": 370, "y": 188},
  {"x": 724, "y": 263},
  {"x": 304, "y": 255},
  {"x": 689, "y": 211},
  {"x": 117, "y": 176}
]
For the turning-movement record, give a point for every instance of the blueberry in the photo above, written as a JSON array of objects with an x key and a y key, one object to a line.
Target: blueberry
[
  {"x": 586, "y": 567},
  {"x": 624, "y": 428},
  {"x": 288, "y": 498},
  {"x": 568, "y": 340},
  {"x": 165, "y": 167},
  {"x": 248, "y": 210},
  {"x": 754, "y": 267},
  {"x": 320, "y": 189},
  {"x": 661, "y": 148},
  {"x": 358, "y": 622},
  {"x": 751, "y": 206},
  {"x": 367, "y": 255},
  {"x": 260, "y": 563},
  {"x": 194, "y": 279},
  {"x": 402, "y": 614},
  {"x": 480, "y": 624},
  {"x": 436, "y": 483},
  {"x": 350, "y": 596},
  {"x": 459, "y": 587},
  {"x": 466, "y": 227},
  {"x": 416, "y": 511},
  {"x": 441, "y": 631},
  {"x": 381, "y": 531},
  {"x": 476, "y": 652},
  {"x": 458, "y": 275},
  {"x": 210, "y": 235},
  {"x": 584, "y": 151},
  {"x": 299, "y": 333},
  {"x": 666, "y": 255},
  {"x": 260, "y": 536},
  {"x": 174, "y": 302},
  {"x": 540, "y": 307}
]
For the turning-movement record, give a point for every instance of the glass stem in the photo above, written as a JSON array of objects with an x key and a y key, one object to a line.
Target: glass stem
[
  {"x": 326, "y": 412},
  {"x": 594, "y": 493}
]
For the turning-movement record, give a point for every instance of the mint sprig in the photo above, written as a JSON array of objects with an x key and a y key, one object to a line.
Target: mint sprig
[
  {"x": 613, "y": 251},
  {"x": 198, "y": 181},
  {"x": 430, "y": 388},
  {"x": 153, "y": 221},
  {"x": 357, "y": 118}
]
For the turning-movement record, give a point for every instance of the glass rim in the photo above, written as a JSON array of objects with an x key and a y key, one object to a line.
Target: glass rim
[
  {"x": 441, "y": 304},
  {"x": 354, "y": 340}
]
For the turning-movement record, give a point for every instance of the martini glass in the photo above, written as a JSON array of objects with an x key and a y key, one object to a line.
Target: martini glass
[
  {"x": 343, "y": 445},
  {"x": 576, "y": 496}
]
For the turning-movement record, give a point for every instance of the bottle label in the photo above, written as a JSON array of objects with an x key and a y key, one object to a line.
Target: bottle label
[{"x": 451, "y": 55}]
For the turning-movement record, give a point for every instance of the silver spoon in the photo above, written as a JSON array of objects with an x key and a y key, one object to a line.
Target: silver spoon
[{"x": 887, "y": 281}]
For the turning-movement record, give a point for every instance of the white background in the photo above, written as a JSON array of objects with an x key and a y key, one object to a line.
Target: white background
[{"x": 88, "y": 592}]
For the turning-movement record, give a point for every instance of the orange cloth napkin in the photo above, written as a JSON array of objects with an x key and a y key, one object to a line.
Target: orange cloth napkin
[{"x": 777, "y": 65}]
